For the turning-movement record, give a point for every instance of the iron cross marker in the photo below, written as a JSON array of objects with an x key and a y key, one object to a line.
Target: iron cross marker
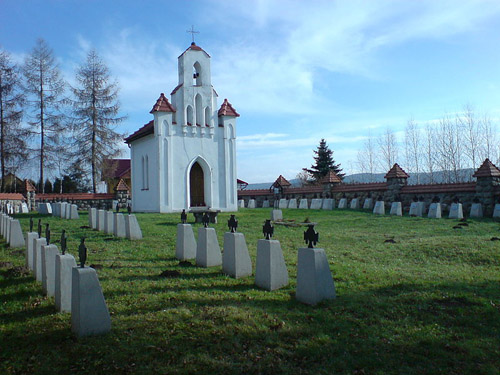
[
  {"x": 311, "y": 237},
  {"x": 268, "y": 230},
  {"x": 232, "y": 223}
]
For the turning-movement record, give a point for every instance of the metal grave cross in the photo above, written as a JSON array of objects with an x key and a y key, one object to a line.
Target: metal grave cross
[
  {"x": 39, "y": 228},
  {"x": 192, "y": 32},
  {"x": 82, "y": 253},
  {"x": 311, "y": 237},
  {"x": 205, "y": 219},
  {"x": 47, "y": 233},
  {"x": 268, "y": 230},
  {"x": 232, "y": 223},
  {"x": 31, "y": 223},
  {"x": 184, "y": 217},
  {"x": 63, "y": 242}
]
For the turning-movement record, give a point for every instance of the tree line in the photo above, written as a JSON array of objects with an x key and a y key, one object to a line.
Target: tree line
[
  {"x": 450, "y": 146},
  {"x": 68, "y": 130}
]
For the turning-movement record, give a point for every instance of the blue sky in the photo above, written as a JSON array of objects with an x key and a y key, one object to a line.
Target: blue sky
[{"x": 296, "y": 71}]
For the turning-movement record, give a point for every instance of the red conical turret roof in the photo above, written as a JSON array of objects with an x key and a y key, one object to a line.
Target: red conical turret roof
[
  {"x": 162, "y": 105},
  {"x": 396, "y": 172},
  {"x": 487, "y": 169},
  {"x": 226, "y": 109}
]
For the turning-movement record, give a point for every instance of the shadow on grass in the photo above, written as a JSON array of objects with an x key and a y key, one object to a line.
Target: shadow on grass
[{"x": 24, "y": 315}]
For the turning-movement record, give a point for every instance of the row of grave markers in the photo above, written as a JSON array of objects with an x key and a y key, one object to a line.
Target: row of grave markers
[
  {"x": 314, "y": 278},
  {"x": 63, "y": 210},
  {"x": 115, "y": 223},
  {"x": 378, "y": 207}
]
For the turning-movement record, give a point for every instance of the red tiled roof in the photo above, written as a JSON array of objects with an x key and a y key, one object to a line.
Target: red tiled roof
[
  {"x": 75, "y": 196},
  {"x": 281, "y": 181},
  {"x": 149, "y": 128},
  {"x": 330, "y": 178},
  {"x": 254, "y": 192},
  {"x": 121, "y": 186},
  {"x": 117, "y": 167},
  {"x": 176, "y": 88},
  {"x": 374, "y": 186},
  {"x": 439, "y": 188},
  {"x": 487, "y": 169},
  {"x": 226, "y": 109},
  {"x": 11, "y": 196},
  {"x": 162, "y": 105},
  {"x": 194, "y": 47},
  {"x": 28, "y": 186},
  {"x": 396, "y": 172}
]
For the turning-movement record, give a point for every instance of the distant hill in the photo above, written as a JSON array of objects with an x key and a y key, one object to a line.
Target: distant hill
[{"x": 424, "y": 178}]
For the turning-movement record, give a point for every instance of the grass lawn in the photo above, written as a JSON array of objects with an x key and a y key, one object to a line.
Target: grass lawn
[{"x": 429, "y": 303}]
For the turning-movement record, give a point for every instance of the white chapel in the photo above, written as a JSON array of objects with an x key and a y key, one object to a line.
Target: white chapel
[{"x": 186, "y": 156}]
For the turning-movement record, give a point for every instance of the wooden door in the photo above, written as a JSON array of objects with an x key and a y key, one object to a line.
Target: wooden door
[{"x": 197, "y": 186}]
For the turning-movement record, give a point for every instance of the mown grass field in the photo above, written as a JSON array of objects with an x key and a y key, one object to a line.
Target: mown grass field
[{"x": 429, "y": 303}]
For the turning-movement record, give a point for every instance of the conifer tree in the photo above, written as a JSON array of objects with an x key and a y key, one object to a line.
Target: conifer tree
[
  {"x": 44, "y": 84},
  {"x": 324, "y": 163},
  {"x": 13, "y": 145},
  {"x": 96, "y": 107}
]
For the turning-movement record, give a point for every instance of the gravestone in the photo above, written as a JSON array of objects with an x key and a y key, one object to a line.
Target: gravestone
[
  {"x": 45, "y": 209},
  {"x": 89, "y": 312},
  {"x": 207, "y": 249},
  {"x": 93, "y": 218},
  {"x": 476, "y": 210},
  {"x": 342, "y": 203},
  {"x": 328, "y": 204},
  {"x": 417, "y": 209},
  {"x": 270, "y": 268},
  {"x": 24, "y": 208},
  {"x": 456, "y": 211},
  {"x": 265, "y": 204},
  {"x": 16, "y": 234},
  {"x": 109, "y": 222},
  {"x": 73, "y": 212},
  {"x": 37, "y": 258},
  {"x": 276, "y": 215},
  {"x": 496, "y": 210},
  {"x": 62, "y": 294},
  {"x": 316, "y": 203},
  {"x": 132, "y": 228},
  {"x": 241, "y": 203},
  {"x": 49, "y": 253},
  {"x": 30, "y": 237},
  {"x": 236, "y": 260},
  {"x": 62, "y": 208},
  {"x": 7, "y": 229},
  {"x": 119, "y": 229},
  {"x": 185, "y": 246},
  {"x": 303, "y": 204},
  {"x": 55, "y": 209},
  {"x": 283, "y": 203},
  {"x": 101, "y": 219},
  {"x": 396, "y": 209},
  {"x": 292, "y": 203},
  {"x": 379, "y": 208},
  {"x": 434, "y": 211},
  {"x": 251, "y": 203},
  {"x": 368, "y": 204}
]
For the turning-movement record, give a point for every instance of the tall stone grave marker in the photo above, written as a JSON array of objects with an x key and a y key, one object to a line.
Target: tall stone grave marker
[
  {"x": 396, "y": 209},
  {"x": 185, "y": 246},
  {"x": 207, "y": 250},
  {"x": 236, "y": 260}
]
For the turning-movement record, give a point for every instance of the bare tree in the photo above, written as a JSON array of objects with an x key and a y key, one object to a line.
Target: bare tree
[
  {"x": 429, "y": 152},
  {"x": 488, "y": 140},
  {"x": 388, "y": 147},
  {"x": 366, "y": 157},
  {"x": 44, "y": 84},
  {"x": 413, "y": 148},
  {"x": 471, "y": 135},
  {"x": 450, "y": 148},
  {"x": 96, "y": 107},
  {"x": 13, "y": 149}
]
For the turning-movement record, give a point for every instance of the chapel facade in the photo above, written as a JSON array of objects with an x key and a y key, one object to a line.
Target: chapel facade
[{"x": 186, "y": 156}]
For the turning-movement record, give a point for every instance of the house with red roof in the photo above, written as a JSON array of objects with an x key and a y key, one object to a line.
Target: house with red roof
[{"x": 185, "y": 157}]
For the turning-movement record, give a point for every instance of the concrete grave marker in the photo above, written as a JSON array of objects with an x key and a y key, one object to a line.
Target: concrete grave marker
[
  {"x": 265, "y": 204},
  {"x": 368, "y": 204},
  {"x": 328, "y": 204},
  {"x": 207, "y": 249},
  {"x": 283, "y": 203},
  {"x": 496, "y": 210},
  {"x": 37, "y": 258},
  {"x": 73, "y": 212},
  {"x": 316, "y": 203},
  {"x": 119, "y": 229},
  {"x": 342, "y": 203},
  {"x": 236, "y": 259},
  {"x": 251, "y": 203},
  {"x": 417, "y": 209},
  {"x": 303, "y": 204},
  {"x": 270, "y": 268},
  {"x": 109, "y": 222},
  {"x": 456, "y": 211},
  {"x": 396, "y": 209},
  {"x": 16, "y": 234},
  {"x": 379, "y": 208},
  {"x": 476, "y": 210},
  {"x": 185, "y": 246},
  {"x": 49, "y": 253},
  {"x": 434, "y": 211},
  {"x": 101, "y": 217},
  {"x": 45, "y": 209},
  {"x": 24, "y": 208},
  {"x": 62, "y": 210},
  {"x": 292, "y": 203},
  {"x": 64, "y": 269},
  {"x": 132, "y": 228},
  {"x": 30, "y": 253},
  {"x": 241, "y": 203},
  {"x": 276, "y": 215},
  {"x": 93, "y": 218}
]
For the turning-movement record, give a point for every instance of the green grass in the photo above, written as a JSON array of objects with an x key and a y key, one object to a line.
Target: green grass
[{"x": 427, "y": 304}]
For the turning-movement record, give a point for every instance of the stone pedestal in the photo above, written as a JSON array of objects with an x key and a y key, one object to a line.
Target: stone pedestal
[
  {"x": 417, "y": 209},
  {"x": 379, "y": 208},
  {"x": 303, "y": 204},
  {"x": 328, "y": 204},
  {"x": 207, "y": 250},
  {"x": 342, "y": 203},
  {"x": 270, "y": 268},
  {"x": 62, "y": 212},
  {"x": 314, "y": 279},
  {"x": 496, "y": 210},
  {"x": 355, "y": 204},
  {"x": 16, "y": 234},
  {"x": 45, "y": 209},
  {"x": 30, "y": 253},
  {"x": 283, "y": 203},
  {"x": 241, "y": 203},
  {"x": 49, "y": 253},
  {"x": 119, "y": 226},
  {"x": 109, "y": 222},
  {"x": 276, "y": 215},
  {"x": 185, "y": 246},
  {"x": 37, "y": 258},
  {"x": 62, "y": 292},
  {"x": 7, "y": 229},
  {"x": 236, "y": 260},
  {"x": 368, "y": 204},
  {"x": 93, "y": 218},
  {"x": 2, "y": 218},
  {"x": 265, "y": 204},
  {"x": 456, "y": 211},
  {"x": 73, "y": 212},
  {"x": 316, "y": 204},
  {"x": 434, "y": 211},
  {"x": 24, "y": 208},
  {"x": 292, "y": 203},
  {"x": 101, "y": 218},
  {"x": 89, "y": 313},
  {"x": 251, "y": 203},
  {"x": 67, "y": 215},
  {"x": 56, "y": 208},
  {"x": 476, "y": 210},
  {"x": 396, "y": 209},
  {"x": 132, "y": 228}
]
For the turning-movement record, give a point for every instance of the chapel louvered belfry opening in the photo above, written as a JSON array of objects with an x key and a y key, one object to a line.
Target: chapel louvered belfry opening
[{"x": 190, "y": 146}]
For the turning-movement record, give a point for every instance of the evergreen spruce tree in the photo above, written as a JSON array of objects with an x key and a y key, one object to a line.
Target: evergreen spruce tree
[
  {"x": 324, "y": 163},
  {"x": 95, "y": 108}
]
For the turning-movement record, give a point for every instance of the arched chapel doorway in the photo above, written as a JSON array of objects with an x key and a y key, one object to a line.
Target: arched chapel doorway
[{"x": 197, "y": 186}]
